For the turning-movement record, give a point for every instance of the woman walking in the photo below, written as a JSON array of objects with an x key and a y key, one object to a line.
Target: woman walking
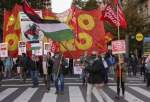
[{"x": 120, "y": 76}]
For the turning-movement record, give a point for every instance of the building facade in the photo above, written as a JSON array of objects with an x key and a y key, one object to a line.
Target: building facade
[{"x": 144, "y": 10}]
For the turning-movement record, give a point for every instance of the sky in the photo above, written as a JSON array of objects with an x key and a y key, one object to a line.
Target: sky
[{"x": 59, "y": 6}]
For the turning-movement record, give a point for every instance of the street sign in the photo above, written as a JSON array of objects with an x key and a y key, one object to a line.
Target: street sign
[
  {"x": 139, "y": 36},
  {"x": 118, "y": 47}
]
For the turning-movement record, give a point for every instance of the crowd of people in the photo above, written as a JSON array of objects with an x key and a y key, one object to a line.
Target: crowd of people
[{"x": 95, "y": 70}]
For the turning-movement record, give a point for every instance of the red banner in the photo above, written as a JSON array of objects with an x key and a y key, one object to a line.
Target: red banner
[
  {"x": 11, "y": 30},
  {"x": 89, "y": 33}
]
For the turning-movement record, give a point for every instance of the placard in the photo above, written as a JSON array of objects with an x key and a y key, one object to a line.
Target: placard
[
  {"x": 118, "y": 47},
  {"x": 3, "y": 50},
  {"x": 77, "y": 69},
  {"x": 37, "y": 48},
  {"x": 21, "y": 47}
]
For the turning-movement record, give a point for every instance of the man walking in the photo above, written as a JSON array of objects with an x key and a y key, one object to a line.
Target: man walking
[
  {"x": 58, "y": 63},
  {"x": 96, "y": 76}
]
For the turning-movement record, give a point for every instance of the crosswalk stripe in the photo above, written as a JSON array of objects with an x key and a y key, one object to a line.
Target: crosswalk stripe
[
  {"x": 26, "y": 95},
  {"x": 129, "y": 97},
  {"x": 50, "y": 96},
  {"x": 141, "y": 91},
  {"x": 105, "y": 96},
  {"x": 75, "y": 94},
  {"x": 6, "y": 93},
  {"x": 97, "y": 95}
]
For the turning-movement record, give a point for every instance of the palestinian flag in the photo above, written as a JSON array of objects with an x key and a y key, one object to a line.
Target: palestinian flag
[
  {"x": 33, "y": 45},
  {"x": 53, "y": 29}
]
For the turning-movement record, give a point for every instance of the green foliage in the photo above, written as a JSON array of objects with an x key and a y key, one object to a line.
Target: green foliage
[
  {"x": 134, "y": 20},
  {"x": 89, "y": 5}
]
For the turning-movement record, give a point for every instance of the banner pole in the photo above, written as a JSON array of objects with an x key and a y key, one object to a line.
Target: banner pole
[{"x": 119, "y": 56}]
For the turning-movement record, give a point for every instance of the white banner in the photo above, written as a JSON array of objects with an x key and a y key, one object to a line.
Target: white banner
[
  {"x": 3, "y": 50},
  {"x": 29, "y": 29},
  {"x": 77, "y": 69},
  {"x": 21, "y": 47}
]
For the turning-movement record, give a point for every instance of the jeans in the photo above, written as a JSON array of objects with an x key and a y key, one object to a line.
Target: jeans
[
  {"x": 34, "y": 76},
  {"x": 57, "y": 79}
]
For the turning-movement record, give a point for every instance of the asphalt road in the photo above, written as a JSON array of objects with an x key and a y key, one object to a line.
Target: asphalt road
[{"x": 13, "y": 90}]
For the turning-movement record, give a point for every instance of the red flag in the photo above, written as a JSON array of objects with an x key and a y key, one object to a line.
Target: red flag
[
  {"x": 111, "y": 16},
  {"x": 115, "y": 2},
  {"x": 122, "y": 19}
]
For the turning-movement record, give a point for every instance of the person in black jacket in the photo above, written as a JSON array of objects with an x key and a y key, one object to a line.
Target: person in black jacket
[
  {"x": 1, "y": 70},
  {"x": 47, "y": 70},
  {"x": 96, "y": 77},
  {"x": 34, "y": 70}
]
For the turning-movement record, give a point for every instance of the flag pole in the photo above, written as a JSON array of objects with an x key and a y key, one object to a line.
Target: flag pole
[
  {"x": 119, "y": 55},
  {"x": 118, "y": 32}
]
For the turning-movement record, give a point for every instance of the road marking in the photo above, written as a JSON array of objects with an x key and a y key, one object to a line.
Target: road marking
[
  {"x": 104, "y": 95},
  {"x": 26, "y": 95},
  {"x": 42, "y": 84},
  {"x": 29, "y": 79},
  {"x": 50, "y": 96},
  {"x": 129, "y": 97},
  {"x": 141, "y": 91},
  {"x": 75, "y": 94},
  {"x": 97, "y": 95},
  {"x": 6, "y": 93}
]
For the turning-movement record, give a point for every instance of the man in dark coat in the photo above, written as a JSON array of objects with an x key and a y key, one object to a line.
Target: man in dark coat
[
  {"x": 96, "y": 75},
  {"x": 34, "y": 70}
]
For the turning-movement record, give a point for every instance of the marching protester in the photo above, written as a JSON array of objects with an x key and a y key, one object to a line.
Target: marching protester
[
  {"x": 84, "y": 72},
  {"x": 19, "y": 64},
  {"x": 8, "y": 63},
  {"x": 96, "y": 77},
  {"x": 120, "y": 76},
  {"x": 58, "y": 62},
  {"x": 1, "y": 71},
  {"x": 23, "y": 65},
  {"x": 111, "y": 61},
  {"x": 34, "y": 71},
  {"x": 143, "y": 69},
  {"x": 47, "y": 70},
  {"x": 147, "y": 65},
  {"x": 133, "y": 63},
  {"x": 105, "y": 67},
  {"x": 44, "y": 66}
]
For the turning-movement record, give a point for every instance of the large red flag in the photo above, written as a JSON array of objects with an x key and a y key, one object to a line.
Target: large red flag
[{"x": 11, "y": 30}]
